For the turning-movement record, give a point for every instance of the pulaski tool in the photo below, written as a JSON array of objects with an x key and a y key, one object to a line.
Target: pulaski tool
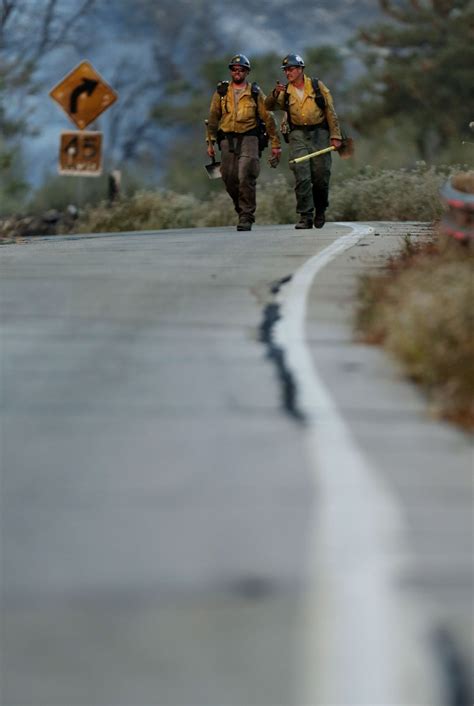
[
  {"x": 345, "y": 151},
  {"x": 214, "y": 168}
]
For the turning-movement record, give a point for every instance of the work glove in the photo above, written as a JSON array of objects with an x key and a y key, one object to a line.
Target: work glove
[
  {"x": 275, "y": 158},
  {"x": 210, "y": 149},
  {"x": 279, "y": 88},
  {"x": 335, "y": 142}
]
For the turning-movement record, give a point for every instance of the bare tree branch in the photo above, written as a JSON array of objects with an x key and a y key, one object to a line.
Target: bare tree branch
[
  {"x": 7, "y": 7},
  {"x": 71, "y": 21},
  {"x": 46, "y": 26}
]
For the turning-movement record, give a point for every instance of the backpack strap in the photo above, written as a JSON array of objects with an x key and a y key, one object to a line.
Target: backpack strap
[
  {"x": 255, "y": 91},
  {"x": 318, "y": 99},
  {"x": 318, "y": 96},
  {"x": 222, "y": 88},
  {"x": 286, "y": 105},
  {"x": 261, "y": 127}
]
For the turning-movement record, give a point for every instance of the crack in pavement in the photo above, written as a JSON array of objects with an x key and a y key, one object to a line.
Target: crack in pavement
[{"x": 276, "y": 354}]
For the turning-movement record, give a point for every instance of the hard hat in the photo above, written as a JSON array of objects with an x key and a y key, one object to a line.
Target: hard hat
[
  {"x": 292, "y": 60},
  {"x": 239, "y": 60}
]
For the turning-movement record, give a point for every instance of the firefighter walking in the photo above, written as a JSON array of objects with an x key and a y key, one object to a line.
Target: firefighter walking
[
  {"x": 235, "y": 116},
  {"x": 311, "y": 124}
]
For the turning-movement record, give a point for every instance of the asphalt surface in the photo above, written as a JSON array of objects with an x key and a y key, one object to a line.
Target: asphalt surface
[{"x": 158, "y": 497}]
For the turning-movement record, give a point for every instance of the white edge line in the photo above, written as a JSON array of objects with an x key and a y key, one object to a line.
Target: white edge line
[{"x": 364, "y": 638}]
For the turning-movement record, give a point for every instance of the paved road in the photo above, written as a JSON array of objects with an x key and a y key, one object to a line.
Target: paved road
[{"x": 158, "y": 536}]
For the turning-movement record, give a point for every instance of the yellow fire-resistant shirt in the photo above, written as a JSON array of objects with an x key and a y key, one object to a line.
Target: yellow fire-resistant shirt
[
  {"x": 305, "y": 111},
  {"x": 226, "y": 116}
]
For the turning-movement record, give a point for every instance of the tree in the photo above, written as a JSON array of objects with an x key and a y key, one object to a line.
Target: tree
[
  {"x": 29, "y": 33},
  {"x": 176, "y": 42},
  {"x": 418, "y": 71}
]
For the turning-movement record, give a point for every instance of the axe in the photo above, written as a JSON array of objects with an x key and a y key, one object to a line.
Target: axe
[
  {"x": 345, "y": 151},
  {"x": 214, "y": 168}
]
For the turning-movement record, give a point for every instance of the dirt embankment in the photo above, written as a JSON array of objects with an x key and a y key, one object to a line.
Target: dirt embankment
[{"x": 420, "y": 309}]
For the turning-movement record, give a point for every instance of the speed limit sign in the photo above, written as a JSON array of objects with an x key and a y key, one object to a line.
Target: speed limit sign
[{"x": 80, "y": 153}]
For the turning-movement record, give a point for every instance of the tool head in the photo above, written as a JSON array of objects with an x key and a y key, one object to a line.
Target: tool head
[
  {"x": 346, "y": 150},
  {"x": 213, "y": 169}
]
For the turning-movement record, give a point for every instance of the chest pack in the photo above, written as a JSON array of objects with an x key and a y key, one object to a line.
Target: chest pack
[{"x": 261, "y": 130}]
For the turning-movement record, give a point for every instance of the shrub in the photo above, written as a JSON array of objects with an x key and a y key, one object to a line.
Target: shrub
[
  {"x": 389, "y": 195},
  {"x": 371, "y": 195},
  {"x": 145, "y": 210},
  {"x": 420, "y": 309},
  {"x": 157, "y": 210}
]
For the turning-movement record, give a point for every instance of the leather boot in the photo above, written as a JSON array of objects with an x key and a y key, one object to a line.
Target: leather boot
[
  {"x": 320, "y": 219},
  {"x": 244, "y": 225},
  {"x": 320, "y": 199},
  {"x": 306, "y": 221}
]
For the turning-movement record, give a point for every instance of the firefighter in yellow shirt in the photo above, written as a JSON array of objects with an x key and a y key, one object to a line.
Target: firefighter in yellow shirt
[
  {"x": 312, "y": 124},
  {"x": 236, "y": 116}
]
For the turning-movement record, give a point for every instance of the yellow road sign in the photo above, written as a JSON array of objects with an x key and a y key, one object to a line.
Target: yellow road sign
[
  {"x": 80, "y": 153},
  {"x": 83, "y": 94}
]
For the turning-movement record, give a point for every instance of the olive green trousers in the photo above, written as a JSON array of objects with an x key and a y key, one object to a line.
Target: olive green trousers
[{"x": 312, "y": 176}]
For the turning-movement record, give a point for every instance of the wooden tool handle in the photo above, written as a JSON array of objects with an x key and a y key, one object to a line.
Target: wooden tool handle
[{"x": 297, "y": 160}]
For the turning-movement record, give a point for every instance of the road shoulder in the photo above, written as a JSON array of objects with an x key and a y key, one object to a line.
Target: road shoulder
[{"x": 426, "y": 463}]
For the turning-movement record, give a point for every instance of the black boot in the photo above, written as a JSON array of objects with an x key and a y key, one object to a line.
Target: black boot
[
  {"x": 244, "y": 224},
  {"x": 320, "y": 219},
  {"x": 306, "y": 221},
  {"x": 320, "y": 198}
]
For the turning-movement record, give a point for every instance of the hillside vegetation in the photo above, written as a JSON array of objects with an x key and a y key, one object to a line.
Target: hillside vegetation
[{"x": 371, "y": 195}]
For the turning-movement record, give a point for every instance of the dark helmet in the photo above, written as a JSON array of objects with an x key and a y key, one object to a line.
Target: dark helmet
[
  {"x": 292, "y": 60},
  {"x": 239, "y": 60}
]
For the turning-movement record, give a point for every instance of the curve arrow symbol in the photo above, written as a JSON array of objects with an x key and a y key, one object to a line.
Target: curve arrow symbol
[{"x": 88, "y": 86}]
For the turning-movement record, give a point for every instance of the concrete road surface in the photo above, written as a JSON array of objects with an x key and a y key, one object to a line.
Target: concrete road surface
[{"x": 210, "y": 495}]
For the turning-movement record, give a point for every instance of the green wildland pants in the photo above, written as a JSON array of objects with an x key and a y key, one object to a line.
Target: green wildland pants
[{"x": 312, "y": 176}]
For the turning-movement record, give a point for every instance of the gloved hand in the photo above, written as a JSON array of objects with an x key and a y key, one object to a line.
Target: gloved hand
[
  {"x": 210, "y": 149},
  {"x": 335, "y": 142},
  {"x": 275, "y": 158},
  {"x": 279, "y": 88}
]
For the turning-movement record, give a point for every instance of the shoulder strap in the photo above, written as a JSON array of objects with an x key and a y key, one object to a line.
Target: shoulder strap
[
  {"x": 222, "y": 88},
  {"x": 262, "y": 128},
  {"x": 255, "y": 88},
  {"x": 286, "y": 100},
  {"x": 318, "y": 97},
  {"x": 286, "y": 106},
  {"x": 255, "y": 91}
]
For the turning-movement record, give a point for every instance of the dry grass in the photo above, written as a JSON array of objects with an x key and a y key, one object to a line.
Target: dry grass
[
  {"x": 372, "y": 195},
  {"x": 421, "y": 310},
  {"x": 157, "y": 210},
  {"x": 389, "y": 195}
]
